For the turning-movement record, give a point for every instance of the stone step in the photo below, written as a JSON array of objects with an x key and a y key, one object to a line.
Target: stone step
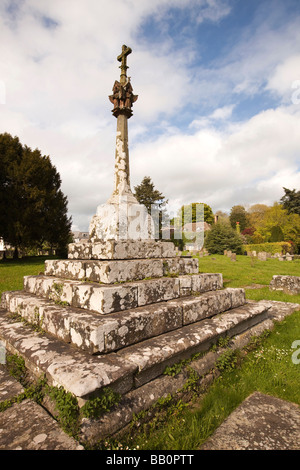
[
  {"x": 154, "y": 355},
  {"x": 85, "y": 375},
  {"x": 105, "y": 333},
  {"x": 77, "y": 372},
  {"x": 103, "y": 298},
  {"x": 111, "y": 271},
  {"x": 121, "y": 249}
]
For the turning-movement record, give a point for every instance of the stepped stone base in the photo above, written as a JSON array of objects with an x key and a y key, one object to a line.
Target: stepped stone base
[
  {"x": 113, "y": 331},
  {"x": 84, "y": 375},
  {"x": 108, "y": 272},
  {"x": 104, "y": 321}
]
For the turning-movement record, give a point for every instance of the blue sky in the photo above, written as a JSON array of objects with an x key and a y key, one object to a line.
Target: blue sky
[{"x": 218, "y": 114}]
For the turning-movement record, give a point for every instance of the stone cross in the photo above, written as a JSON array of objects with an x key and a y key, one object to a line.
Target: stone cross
[
  {"x": 121, "y": 216},
  {"x": 123, "y": 59},
  {"x": 123, "y": 99}
]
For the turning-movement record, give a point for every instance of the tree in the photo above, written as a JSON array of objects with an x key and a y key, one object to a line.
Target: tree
[
  {"x": 32, "y": 206},
  {"x": 238, "y": 214},
  {"x": 223, "y": 237},
  {"x": 291, "y": 201},
  {"x": 256, "y": 214},
  {"x": 222, "y": 216},
  {"x": 154, "y": 201},
  {"x": 279, "y": 224}
]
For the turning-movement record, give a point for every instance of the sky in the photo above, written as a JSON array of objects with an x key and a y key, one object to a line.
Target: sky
[{"x": 217, "y": 119}]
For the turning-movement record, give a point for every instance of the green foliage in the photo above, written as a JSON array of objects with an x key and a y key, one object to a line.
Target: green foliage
[
  {"x": 222, "y": 237},
  {"x": 227, "y": 360},
  {"x": 188, "y": 213},
  {"x": 275, "y": 223},
  {"x": 276, "y": 234},
  {"x": 291, "y": 201},
  {"x": 276, "y": 247},
  {"x": 98, "y": 406},
  {"x": 238, "y": 214},
  {"x": 147, "y": 195},
  {"x": 33, "y": 209},
  {"x": 67, "y": 408},
  {"x": 175, "y": 369},
  {"x": 16, "y": 367}
]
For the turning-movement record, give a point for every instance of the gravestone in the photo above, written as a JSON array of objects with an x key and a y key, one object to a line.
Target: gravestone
[{"x": 262, "y": 255}]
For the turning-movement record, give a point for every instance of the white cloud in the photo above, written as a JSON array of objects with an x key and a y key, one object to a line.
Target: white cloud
[
  {"x": 286, "y": 79},
  {"x": 246, "y": 164}
]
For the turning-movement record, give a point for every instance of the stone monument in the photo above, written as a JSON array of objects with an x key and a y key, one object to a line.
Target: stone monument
[
  {"x": 122, "y": 217},
  {"x": 123, "y": 306}
]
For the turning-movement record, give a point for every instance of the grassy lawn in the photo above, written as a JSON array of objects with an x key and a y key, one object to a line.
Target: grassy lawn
[
  {"x": 266, "y": 365},
  {"x": 12, "y": 271}
]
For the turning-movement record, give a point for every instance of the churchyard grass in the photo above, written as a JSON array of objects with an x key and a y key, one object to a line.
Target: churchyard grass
[{"x": 185, "y": 421}]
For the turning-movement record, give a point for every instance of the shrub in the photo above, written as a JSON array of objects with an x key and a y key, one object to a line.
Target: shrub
[{"x": 222, "y": 237}]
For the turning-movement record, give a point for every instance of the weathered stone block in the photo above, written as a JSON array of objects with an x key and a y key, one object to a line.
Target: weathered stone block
[
  {"x": 206, "y": 281},
  {"x": 140, "y": 324},
  {"x": 180, "y": 266},
  {"x": 110, "y": 272},
  {"x": 50, "y": 287},
  {"x": 209, "y": 304},
  {"x": 80, "y": 250},
  {"x": 157, "y": 290},
  {"x": 69, "y": 269},
  {"x": 185, "y": 285},
  {"x": 237, "y": 296},
  {"x": 77, "y": 372},
  {"x": 104, "y": 299}
]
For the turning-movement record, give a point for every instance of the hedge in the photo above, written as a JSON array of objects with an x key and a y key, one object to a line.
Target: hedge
[{"x": 275, "y": 247}]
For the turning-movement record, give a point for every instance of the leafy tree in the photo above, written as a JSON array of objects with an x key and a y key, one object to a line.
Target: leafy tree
[
  {"x": 256, "y": 214},
  {"x": 153, "y": 199},
  {"x": 189, "y": 213},
  {"x": 222, "y": 217},
  {"x": 223, "y": 237},
  {"x": 291, "y": 201},
  {"x": 276, "y": 234},
  {"x": 238, "y": 214},
  {"x": 278, "y": 221},
  {"x": 33, "y": 209}
]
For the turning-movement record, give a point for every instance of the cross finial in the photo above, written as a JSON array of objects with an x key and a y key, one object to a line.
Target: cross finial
[{"x": 123, "y": 59}]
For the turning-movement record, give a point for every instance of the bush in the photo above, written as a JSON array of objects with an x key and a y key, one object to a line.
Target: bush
[
  {"x": 222, "y": 237},
  {"x": 276, "y": 247}
]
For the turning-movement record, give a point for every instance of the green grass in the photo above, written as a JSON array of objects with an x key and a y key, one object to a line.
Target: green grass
[
  {"x": 267, "y": 366},
  {"x": 12, "y": 271},
  {"x": 246, "y": 271}
]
